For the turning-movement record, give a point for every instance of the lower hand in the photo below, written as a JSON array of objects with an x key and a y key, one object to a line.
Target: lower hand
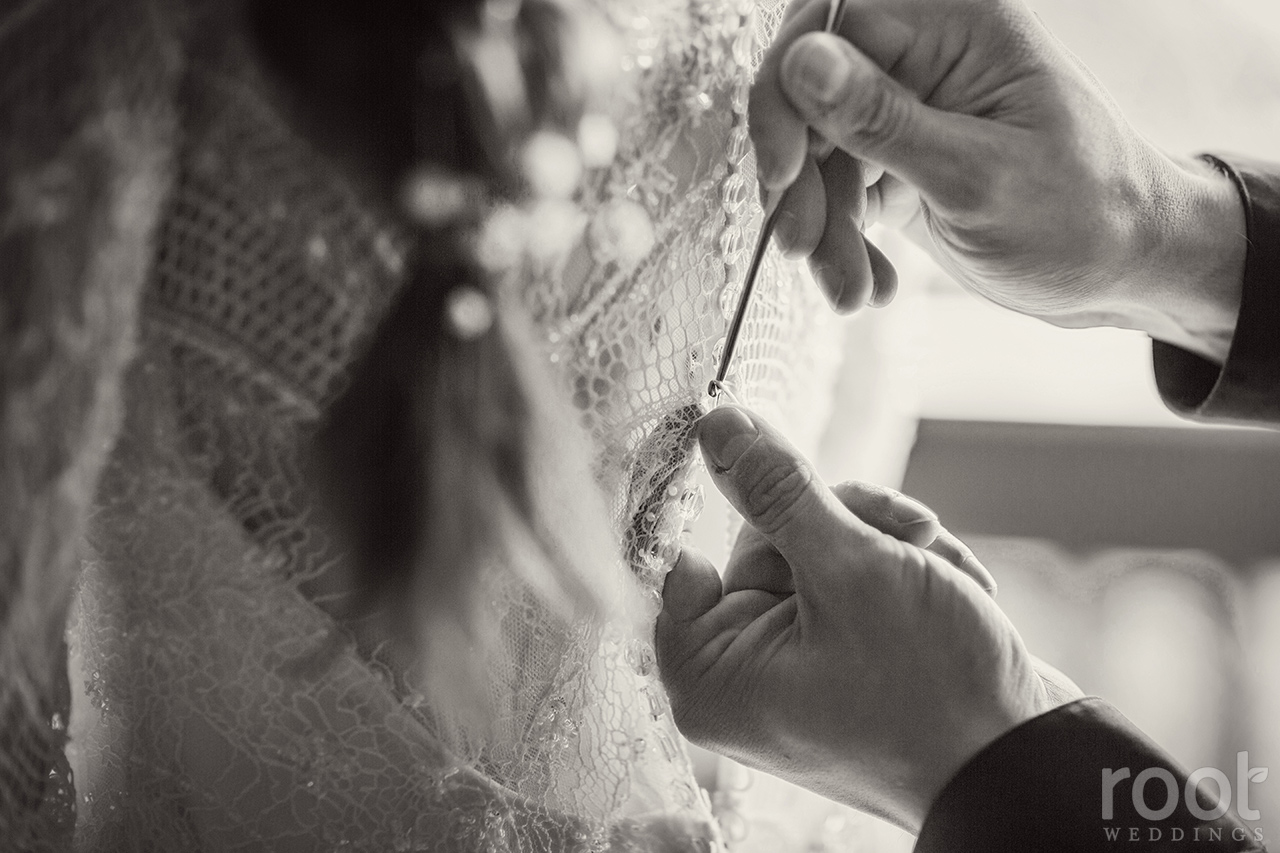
[
  {"x": 969, "y": 119},
  {"x": 842, "y": 658}
]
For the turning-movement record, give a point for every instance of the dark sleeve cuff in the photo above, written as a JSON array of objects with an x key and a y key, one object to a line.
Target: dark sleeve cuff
[
  {"x": 1041, "y": 787},
  {"x": 1247, "y": 388}
]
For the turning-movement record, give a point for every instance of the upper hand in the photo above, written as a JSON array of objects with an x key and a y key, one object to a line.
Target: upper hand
[
  {"x": 969, "y": 119},
  {"x": 837, "y": 656}
]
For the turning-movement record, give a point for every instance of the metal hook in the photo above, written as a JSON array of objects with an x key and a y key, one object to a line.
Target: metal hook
[{"x": 835, "y": 14}]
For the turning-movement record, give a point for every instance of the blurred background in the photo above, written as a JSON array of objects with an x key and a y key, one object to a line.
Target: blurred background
[{"x": 1139, "y": 553}]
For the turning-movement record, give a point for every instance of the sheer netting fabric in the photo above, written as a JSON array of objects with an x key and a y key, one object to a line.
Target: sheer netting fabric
[
  {"x": 218, "y": 703},
  {"x": 635, "y": 315}
]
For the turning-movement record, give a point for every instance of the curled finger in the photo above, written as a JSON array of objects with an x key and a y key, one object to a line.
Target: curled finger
[
  {"x": 955, "y": 552},
  {"x": 840, "y": 263},
  {"x": 802, "y": 213},
  {"x": 889, "y": 511}
]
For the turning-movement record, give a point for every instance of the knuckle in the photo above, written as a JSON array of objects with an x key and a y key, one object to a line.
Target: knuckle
[
  {"x": 779, "y": 494},
  {"x": 884, "y": 114},
  {"x": 868, "y": 501}
]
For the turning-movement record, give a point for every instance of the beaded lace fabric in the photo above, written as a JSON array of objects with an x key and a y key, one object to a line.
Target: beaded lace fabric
[{"x": 216, "y": 705}]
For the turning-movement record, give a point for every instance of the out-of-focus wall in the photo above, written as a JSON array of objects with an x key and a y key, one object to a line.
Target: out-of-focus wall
[{"x": 1192, "y": 75}]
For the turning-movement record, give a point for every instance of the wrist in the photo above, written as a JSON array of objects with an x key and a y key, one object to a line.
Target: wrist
[
  {"x": 1189, "y": 261},
  {"x": 973, "y": 736},
  {"x": 912, "y": 781}
]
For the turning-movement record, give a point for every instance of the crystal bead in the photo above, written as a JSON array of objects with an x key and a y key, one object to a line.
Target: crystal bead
[
  {"x": 728, "y": 305},
  {"x": 552, "y": 164},
  {"x": 743, "y": 47},
  {"x": 693, "y": 501},
  {"x": 657, "y": 708},
  {"x": 653, "y": 602},
  {"x": 734, "y": 194},
  {"x": 642, "y": 658},
  {"x": 739, "y": 144},
  {"x": 470, "y": 313},
  {"x": 553, "y": 228},
  {"x": 621, "y": 232},
  {"x": 731, "y": 245},
  {"x": 597, "y": 139},
  {"x": 666, "y": 745}
]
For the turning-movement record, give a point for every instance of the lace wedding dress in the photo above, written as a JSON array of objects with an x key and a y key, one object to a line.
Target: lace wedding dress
[{"x": 216, "y": 704}]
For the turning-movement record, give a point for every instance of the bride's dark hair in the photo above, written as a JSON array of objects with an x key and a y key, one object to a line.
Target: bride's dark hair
[{"x": 426, "y": 458}]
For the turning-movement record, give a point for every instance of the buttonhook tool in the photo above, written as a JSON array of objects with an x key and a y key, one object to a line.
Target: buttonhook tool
[{"x": 835, "y": 13}]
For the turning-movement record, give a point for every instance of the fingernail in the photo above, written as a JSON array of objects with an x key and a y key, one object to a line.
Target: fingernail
[
  {"x": 830, "y": 282},
  {"x": 725, "y": 434},
  {"x": 784, "y": 231},
  {"x": 818, "y": 68},
  {"x": 978, "y": 572},
  {"x": 907, "y": 510}
]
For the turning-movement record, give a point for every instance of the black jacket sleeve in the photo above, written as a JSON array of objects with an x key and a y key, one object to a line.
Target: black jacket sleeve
[
  {"x": 1247, "y": 388},
  {"x": 1059, "y": 783}
]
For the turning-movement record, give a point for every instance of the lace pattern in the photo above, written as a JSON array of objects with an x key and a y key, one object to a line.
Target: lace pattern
[
  {"x": 83, "y": 167},
  {"x": 217, "y": 703},
  {"x": 635, "y": 316}
]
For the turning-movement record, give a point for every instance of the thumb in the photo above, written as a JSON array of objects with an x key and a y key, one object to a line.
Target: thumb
[
  {"x": 777, "y": 490},
  {"x": 691, "y": 589},
  {"x": 848, "y": 99}
]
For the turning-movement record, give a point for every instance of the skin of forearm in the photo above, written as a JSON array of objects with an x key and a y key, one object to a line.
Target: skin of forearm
[{"x": 1186, "y": 286}]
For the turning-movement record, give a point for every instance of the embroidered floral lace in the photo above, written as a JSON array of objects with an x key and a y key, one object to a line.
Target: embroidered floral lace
[{"x": 215, "y": 703}]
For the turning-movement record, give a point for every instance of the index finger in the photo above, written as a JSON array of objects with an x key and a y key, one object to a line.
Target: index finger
[{"x": 778, "y": 132}]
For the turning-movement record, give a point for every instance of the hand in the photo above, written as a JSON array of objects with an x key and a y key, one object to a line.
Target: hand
[
  {"x": 970, "y": 120},
  {"x": 841, "y": 658}
]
